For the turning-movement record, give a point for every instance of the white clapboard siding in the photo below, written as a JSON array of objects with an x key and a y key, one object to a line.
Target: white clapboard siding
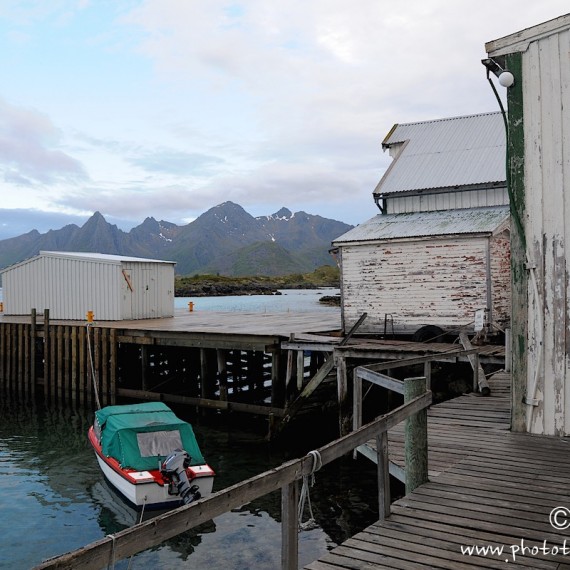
[{"x": 438, "y": 281}]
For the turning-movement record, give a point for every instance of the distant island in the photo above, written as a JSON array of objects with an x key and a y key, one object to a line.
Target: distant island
[{"x": 218, "y": 285}]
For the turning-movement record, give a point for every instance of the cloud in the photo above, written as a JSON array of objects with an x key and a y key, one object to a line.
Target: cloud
[
  {"x": 174, "y": 106},
  {"x": 175, "y": 162},
  {"x": 29, "y": 150}
]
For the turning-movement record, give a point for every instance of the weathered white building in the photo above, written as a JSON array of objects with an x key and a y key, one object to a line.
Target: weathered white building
[
  {"x": 539, "y": 171},
  {"x": 439, "y": 250},
  {"x": 70, "y": 284}
]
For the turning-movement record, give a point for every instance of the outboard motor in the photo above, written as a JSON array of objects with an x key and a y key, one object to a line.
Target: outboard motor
[{"x": 173, "y": 469}]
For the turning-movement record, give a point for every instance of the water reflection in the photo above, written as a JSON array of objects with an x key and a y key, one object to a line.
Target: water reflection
[{"x": 55, "y": 499}]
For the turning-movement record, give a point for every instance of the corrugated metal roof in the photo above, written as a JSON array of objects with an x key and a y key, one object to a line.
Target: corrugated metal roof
[
  {"x": 86, "y": 256},
  {"x": 446, "y": 153},
  {"x": 101, "y": 257},
  {"x": 425, "y": 224}
]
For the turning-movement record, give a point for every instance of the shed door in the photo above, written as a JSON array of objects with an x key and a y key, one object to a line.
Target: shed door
[{"x": 127, "y": 295}]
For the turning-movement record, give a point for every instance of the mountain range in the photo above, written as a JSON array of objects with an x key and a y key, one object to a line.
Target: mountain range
[{"x": 224, "y": 240}]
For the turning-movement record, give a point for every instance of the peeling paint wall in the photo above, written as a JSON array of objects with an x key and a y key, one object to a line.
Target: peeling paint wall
[
  {"x": 539, "y": 182},
  {"x": 440, "y": 281},
  {"x": 546, "y": 81}
]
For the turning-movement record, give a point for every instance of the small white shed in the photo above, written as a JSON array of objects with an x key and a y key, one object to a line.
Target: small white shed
[
  {"x": 70, "y": 284},
  {"x": 416, "y": 271}
]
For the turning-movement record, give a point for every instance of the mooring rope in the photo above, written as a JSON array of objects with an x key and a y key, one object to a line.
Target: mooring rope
[
  {"x": 98, "y": 402},
  {"x": 140, "y": 521},
  {"x": 305, "y": 497}
]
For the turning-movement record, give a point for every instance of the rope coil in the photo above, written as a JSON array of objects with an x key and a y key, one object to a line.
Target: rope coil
[{"x": 305, "y": 496}]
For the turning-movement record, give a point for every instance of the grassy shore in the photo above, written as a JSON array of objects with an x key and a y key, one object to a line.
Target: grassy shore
[{"x": 216, "y": 285}]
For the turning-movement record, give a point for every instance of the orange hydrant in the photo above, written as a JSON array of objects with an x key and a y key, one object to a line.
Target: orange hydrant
[{"x": 190, "y": 306}]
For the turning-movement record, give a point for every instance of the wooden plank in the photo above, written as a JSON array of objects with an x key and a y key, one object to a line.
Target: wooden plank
[
  {"x": 500, "y": 491},
  {"x": 380, "y": 379},
  {"x": 479, "y": 373},
  {"x": 203, "y": 402}
]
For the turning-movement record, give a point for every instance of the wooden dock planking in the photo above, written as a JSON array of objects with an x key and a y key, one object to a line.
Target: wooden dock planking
[
  {"x": 458, "y": 427},
  {"x": 220, "y": 322},
  {"x": 488, "y": 487}
]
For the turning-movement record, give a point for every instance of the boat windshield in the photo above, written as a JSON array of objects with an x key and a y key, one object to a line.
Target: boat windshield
[{"x": 155, "y": 443}]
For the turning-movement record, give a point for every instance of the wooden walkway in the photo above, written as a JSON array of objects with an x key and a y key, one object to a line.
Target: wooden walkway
[
  {"x": 218, "y": 322},
  {"x": 489, "y": 488}
]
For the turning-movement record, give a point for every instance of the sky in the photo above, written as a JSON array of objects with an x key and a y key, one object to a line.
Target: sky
[{"x": 166, "y": 108}]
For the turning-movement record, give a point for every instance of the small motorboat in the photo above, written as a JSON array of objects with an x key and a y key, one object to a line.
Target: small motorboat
[{"x": 149, "y": 455}]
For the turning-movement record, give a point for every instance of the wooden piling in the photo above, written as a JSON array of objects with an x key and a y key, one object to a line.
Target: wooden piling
[
  {"x": 222, "y": 374},
  {"x": 33, "y": 353},
  {"x": 416, "y": 446}
]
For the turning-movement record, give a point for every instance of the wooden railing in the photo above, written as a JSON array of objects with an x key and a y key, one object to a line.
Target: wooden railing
[
  {"x": 286, "y": 477},
  {"x": 416, "y": 442}
]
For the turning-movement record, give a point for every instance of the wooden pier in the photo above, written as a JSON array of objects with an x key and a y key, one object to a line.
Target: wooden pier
[
  {"x": 217, "y": 360},
  {"x": 489, "y": 488},
  {"x": 261, "y": 363}
]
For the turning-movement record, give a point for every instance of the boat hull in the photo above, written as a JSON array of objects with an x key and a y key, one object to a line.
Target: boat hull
[{"x": 147, "y": 488}]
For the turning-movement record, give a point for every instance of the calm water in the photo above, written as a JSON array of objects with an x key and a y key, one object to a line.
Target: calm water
[
  {"x": 54, "y": 499},
  {"x": 301, "y": 300}
]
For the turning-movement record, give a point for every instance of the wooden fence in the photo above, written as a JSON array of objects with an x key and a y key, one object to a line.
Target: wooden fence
[{"x": 106, "y": 551}]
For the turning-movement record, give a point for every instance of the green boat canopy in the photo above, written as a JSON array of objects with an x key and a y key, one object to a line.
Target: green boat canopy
[{"x": 139, "y": 436}]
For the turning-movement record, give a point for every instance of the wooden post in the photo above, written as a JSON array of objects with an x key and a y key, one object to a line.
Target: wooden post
[
  {"x": 476, "y": 366},
  {"x": 416, "y": 443},
  {"x": 47, "y": 356},
  {"x": 290, "y": 365},
  {"x": 207, "y": 375},
  {"x": 20, "y": 352},
  {"x": 300, "y": 369},
  {"x": 203, "y": 373},
  {"x": 33, "y": 372},
  {"x": 67, "y": 390},
  {"x": 479, "y": 381},
  {"x": 8, "y": 372},
  {"x": 289, "y": 526},
  {"x": 277, "y": 380},
  {"x": 88, "y": 351},
  {"x": 3, "y": 354},
  {"x": 357, "y": 406},
  {"x": 427, "y": 373},
  {"x": 508, "y": 351},
  {"x": 256, "y": 370},
  {"x": 113, "y": 367},
  {"x": 384, "y": 498},
  {"x": 144, "y": 369},
  {"x": 82, "y": 369},
  {"x": 97, "y": 365},
  {"x": 342, "y": 392},
  {"x": 58, "y": 360},
  {"x": 222, "y": 374},
  {"x": 75, "y": 387},
  {"x": 26, "y": 339}
]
